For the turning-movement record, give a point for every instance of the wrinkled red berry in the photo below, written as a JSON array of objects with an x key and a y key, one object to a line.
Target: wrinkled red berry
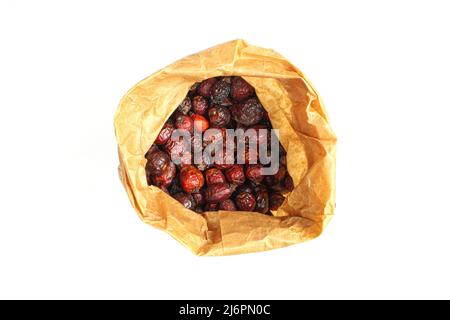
[
  {"x": 219, "y": 116},
  {"x": 262, "y": 201},
  {"x": 211, "y": 207},
  {"x": 176, "y": 186},
  {"x": 219, "y": 192},
  {"x": 152, "y": 149},
  {"x": 186, "y": 200},
  {"x": 215, "y": 135},
  {"x": 185, "y": 105},
  {"x": 254, "y": 173},
  {"x": 178, "y": 148},
  {"x": 240, "y": 89},
  {"x": 220, "y": 91},
  {"x": 199, "y": 105},
  {"x": 191, "y": 179},
  {"x": 204, "y": 88},
  {"x": 227, "y": 205},
  {"x": 166, "y": 177},
  {"x": 199, "y": 198},
  {"x": 246, "y": 187},
  {"x": 214, "y": 176},
  {"x": 245, "y": 201},
  {"x": 235, "y": 174},
  {"x": 279, "y": 175},
  {"x": 248, "y": 113},
  {"x": 201, "y": 124},
  {"x": 288, "y": 183},
  {"x": 275, "y": 201},
  {"x": 184, "y": 122},
  {"x": 157, "y": 162},
  {"x": 165, "y": 133},
  {"x": 223, "y": 160}
]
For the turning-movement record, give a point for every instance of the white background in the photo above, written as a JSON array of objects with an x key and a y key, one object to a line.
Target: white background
[{"x": 67, "y": 229}]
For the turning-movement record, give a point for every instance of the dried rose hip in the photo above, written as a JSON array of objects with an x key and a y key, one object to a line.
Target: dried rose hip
[
  {"x": 248, "y": 113},
  {"x": 185, "y": 122},
  {"x": 152, "y": 149},
  {"x": 262, "y": 201},
  {"x": 227, "y": 205},
  {"x": 199, "y": 198},
  {"x": 240, "y": 89},
  {"x": 214, "y": 176},
  {"x": 275, "y": 201},
  {"x": 211, "y": 207},
  {"x": 246, "y": 187},
  {"x": 215, "y": 135},
  {"x": 186, "y": 200},
  {"x": 185, "y": 106},
  {"x": 165, "y": 133},
  {"x": 245, "y": 201},
  {"x": 279, "y": 175},
  {"x": 199, "y": 105},
  {"x": 219, "y": 116},
  {"x": 175, "y": 187},
  {"x": 177, "y": 148},
  {"x": 288, "y": 183},
  {"x": 254, "y": 173},
  {"x": 204, "y": 88},
  {"x": 235, "y": 174},
  {"x": 191, "y": 179},
  {"x": 221, "y": 90},
  {"x": 224, "y": 160},
  {"x": 157, "y": 162},
  {"x": 219, "y": 192},
  {"x": 201, "y": 124},
  {"x": 166, "y": 177}
]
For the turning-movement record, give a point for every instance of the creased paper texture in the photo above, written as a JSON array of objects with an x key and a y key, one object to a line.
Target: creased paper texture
[{"x": 294, "y": 108}]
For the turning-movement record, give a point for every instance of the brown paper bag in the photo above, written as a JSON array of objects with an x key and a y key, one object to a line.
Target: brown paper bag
[{"x": 294, "y": 108}]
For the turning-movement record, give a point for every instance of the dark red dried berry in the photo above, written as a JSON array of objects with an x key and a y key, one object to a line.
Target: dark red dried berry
[
  {"x": 185, "y": 105},
  {"x": 165, "y": 133},
  {"x": 199, "y": 198},
  {"x": 204, "y": 88},
  {"x": 248, "y": 113},
  {"x": 245, "y": 201},
  {"x": 166, "y": 177},
  {"x": 254, "y": 173},
  {"x": 219, "y": 116},
  {"x": 275, "y": 201},
  {"x": 211, "y": 207},
  {"x": 199, "y": 105},
  {"x": 246, "y": 187},
  {"x": 279, "y": 175},
  {"x": 191, "y": 179},
  {"x": 184, "y": 122},
  {"x": 215, "y": 135},
  {"x": 235, "y": 174},
  {"x": 223, "y": 160},
  {"x": 214, "y": 176},
  {"x": 262, "y": 201},
  {"x": 186, "y": 200},
  {"x": 177, "y": 148},
  {"x": 219, "y": 192},
  {"x": 288, "y": 184},
  {"x": 152, "y": 149},
  {"x": 157, "y": 162},
  {"x": 227, "y": 205},
  {"x": 201, "y": 124},
  {"x": 240, "y": 89},
  {"x": 175, "y": 187},
  {"x": 220, "y": 90}
]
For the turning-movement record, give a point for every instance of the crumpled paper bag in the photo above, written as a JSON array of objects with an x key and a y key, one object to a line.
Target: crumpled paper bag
[{"x": 294, "y": 107}]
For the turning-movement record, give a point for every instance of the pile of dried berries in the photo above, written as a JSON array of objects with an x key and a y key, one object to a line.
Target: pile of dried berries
[{"x": 221, "y": 103}]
